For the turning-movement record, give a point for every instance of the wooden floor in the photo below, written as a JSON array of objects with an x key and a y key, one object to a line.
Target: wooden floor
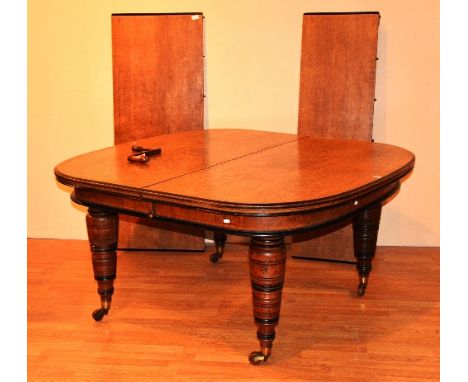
[{"x": 177, "y": 317}]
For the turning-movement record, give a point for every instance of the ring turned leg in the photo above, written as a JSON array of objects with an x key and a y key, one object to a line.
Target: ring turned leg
[
  {"x": 102, "y": 232},
  {"x": 267, "y": 267},
  {"x": 220, "y": 241},
  {"x": 365, "y": 231}
]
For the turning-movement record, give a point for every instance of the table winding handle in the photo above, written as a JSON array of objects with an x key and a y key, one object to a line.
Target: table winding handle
[
  {"x": 139, "y": 158},
  {"x": 149, "y": 152},
  {"x": 142, "y": 155}
]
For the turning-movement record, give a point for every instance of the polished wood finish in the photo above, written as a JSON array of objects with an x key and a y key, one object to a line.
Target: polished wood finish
[
  {"x": 297, "y": 184},
  {"x": 155, "y": 332},
  {"x": 182, "y": 153},
  {"x": 246, "y": 221},
  {"x": 302, "y": 172},
  {"x": 319, "y": 181},
  {"x": 158, "y": 89},
  {"x": 337, "y": 87},
  {"x": 273, "y": 172},
  {"x": 103, "y": 229},
  {"x": 267, "y": 259},
  {"x": 365, "y": 229}
]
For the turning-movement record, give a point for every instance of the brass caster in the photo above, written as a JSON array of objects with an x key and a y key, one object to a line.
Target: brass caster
[
  {"x": 214, "y": 258},
  {"x": 257, "y": 357},
  {"x": 361, "y": 289},
  {"x": 98, "y": 314}
]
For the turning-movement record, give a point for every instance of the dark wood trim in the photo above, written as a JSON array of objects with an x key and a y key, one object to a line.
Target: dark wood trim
[
  {"x": 365, "y": 232},
  {"x": 150, "y": 207},
  {"x": 339, "y": 216}
]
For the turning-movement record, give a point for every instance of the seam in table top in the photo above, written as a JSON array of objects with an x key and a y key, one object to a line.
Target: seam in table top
[{"x": 226, "y": 161}]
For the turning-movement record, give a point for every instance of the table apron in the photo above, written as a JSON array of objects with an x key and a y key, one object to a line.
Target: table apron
[{"x": 286, "y": 221}]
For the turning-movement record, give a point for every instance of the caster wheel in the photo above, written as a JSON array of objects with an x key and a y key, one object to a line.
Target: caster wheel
[
  {"x": 98, "y": 314},
  {"x": 214, "y": 258},
  {"x": 256, "y": 358},
  {"x": 361, "y": 290}
]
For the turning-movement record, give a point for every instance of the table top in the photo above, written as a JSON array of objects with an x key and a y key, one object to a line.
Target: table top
[{"x": 243, "y": 168}]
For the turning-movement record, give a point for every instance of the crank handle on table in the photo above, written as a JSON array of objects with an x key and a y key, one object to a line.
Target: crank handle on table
[
  {"x": 148, "y": 152},
  {"x": 139, "y": 158}
]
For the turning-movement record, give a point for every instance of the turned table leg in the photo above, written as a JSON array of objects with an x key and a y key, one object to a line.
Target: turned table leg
[
  {"x": 365, "y": 231},
  {"x": 102, "y": 232},
  {"x": 220, "y": 242},
  {"x": 267, "y": 267}
]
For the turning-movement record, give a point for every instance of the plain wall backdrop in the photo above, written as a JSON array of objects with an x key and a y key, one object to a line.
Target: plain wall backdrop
[{"x": 251, "y": 82}]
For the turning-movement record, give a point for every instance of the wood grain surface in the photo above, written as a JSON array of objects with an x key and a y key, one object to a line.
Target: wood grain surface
[
  {"x": 158, "y": 74},
  {"x": 182, "y": 153},
  {"x": 337, "y": 85},
  {"x": 181, "y": 318},
  {"x": 158, "y": 88},
  {"x": 215, "y": 166},
  {"x": 307, "y": 169},
  {"x": 336, "y": 100}
]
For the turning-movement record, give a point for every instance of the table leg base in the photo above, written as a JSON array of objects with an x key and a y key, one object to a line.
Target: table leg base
[
  {"x": 267, "y": 262},
  {"x": 361, "y": 289},
  {"x": 98, "y": 314},
  {"x": 365, "y": 231},
  {"x": 103, "y": 232},
  {"x": 257, "y": 357},
  {"x": 220, "y": 242}
]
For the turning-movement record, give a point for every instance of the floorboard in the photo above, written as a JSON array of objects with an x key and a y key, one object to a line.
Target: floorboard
[{"x": 178, "y": 317}]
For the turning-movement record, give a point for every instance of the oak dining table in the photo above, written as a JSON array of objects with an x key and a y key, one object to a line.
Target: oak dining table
[{"x": 263, "y": 185}]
